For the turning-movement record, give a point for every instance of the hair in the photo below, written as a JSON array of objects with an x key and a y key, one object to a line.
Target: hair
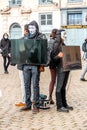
[
  {"x": 53, "y": 32},
  {"x": 5, "y": 34},
  {"x": 26, "y": 27}
]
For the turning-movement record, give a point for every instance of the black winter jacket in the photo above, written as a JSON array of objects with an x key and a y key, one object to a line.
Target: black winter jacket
[
  {"x": 5, "y": 45},
  {"x": 57, "y": 47}
]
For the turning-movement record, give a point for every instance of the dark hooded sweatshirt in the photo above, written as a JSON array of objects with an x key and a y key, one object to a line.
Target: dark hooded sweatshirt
[
  {"x": 36, "y": 35},
  {"x": 32, "y": 54}
]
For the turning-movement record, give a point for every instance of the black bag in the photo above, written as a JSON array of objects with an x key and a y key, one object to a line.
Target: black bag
[{"x": 44, "y": 103}]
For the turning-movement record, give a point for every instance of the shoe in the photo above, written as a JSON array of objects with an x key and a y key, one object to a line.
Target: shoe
[
  {"x": 20, "y": 104},
  {"x": 35, "y": 110},
  {"x": 82, "y": 79},
  {"x": 69, "y": 107},
  {"x": 51, "y": 102},
  {"x": 6, "y": 72},
  {"x": 25, "y": 109},
  {"x": 63, "y": 109}
]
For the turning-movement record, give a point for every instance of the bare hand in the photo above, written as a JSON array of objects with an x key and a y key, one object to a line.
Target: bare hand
[
  {"x": 9, "y": 55},
  {"x": 60, "y": 54}
]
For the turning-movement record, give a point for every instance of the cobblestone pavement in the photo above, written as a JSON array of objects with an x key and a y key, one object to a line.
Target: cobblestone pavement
[{"x": 12, "y": 119}]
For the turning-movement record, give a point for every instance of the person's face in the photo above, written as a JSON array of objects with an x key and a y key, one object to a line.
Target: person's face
[
  {"x": 25, "y": 32},
  {"x": 53, "y": 35},
  {"x": 5, "y": 36},
  {"x": 32, "y": 29},
  {"x": 63, "y": 35}
]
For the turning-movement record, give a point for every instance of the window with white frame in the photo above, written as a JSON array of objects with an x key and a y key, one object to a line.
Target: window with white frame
[
  {"x": 45, "y": 2},
  {"x": 15, "y": 3},
  {"x": 74, "y": 18},
  {"x": 46, "y": 21},
  {"x": 70, "y": 1}
]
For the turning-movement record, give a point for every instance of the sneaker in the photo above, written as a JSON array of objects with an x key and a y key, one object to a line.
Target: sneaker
[
  {"x": 35, "y": 110},
  {"x": 63, "y": 109},
  {"x": 69, "y": 107},
  {"x": 20, "y": 104},
  {"x": 6, "y": 72},
  {"x": 82, "y": 79}
]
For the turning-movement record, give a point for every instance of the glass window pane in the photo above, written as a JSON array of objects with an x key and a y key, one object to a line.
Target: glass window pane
[
  {"x": 13, "y": 1},
  {"x": 75, "y": 0},
  {"x": 43, "y": 23},
  {"x": 49, "y": 16},
  {"x": 45, "y": 1},
  {"x": 42, "y": 1},
  {"x": 43, "y": 17},
  {"x": 46, "y": 19},
  {"x": 49, "y": 22},
  {"x": 75, "y": 18}
]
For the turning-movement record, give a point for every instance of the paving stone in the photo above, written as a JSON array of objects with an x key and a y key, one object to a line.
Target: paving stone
[{"x": 12, "y": 119}]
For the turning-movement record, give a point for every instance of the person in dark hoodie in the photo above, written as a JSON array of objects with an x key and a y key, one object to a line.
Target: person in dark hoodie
[
  {"x": 32, "y": 73},
  {"x": 5, "y": 46},
  {"x": 62, "y": 76}
]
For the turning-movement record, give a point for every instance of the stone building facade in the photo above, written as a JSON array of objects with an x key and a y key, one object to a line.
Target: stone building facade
[
  {"x": 70, "y": 15},
  {"x": 14, "y": 14}
]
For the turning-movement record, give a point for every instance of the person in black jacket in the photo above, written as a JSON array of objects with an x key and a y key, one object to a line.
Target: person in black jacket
[
  {"x": 5, "y": 46},
  {"x": 62, "y": 76}
]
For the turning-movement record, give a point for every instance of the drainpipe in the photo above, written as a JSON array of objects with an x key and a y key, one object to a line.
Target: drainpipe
[{"x": 59, "y": 4}]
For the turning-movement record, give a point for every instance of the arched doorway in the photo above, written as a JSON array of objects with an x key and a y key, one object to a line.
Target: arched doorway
[{"x": 15, "y": 31}]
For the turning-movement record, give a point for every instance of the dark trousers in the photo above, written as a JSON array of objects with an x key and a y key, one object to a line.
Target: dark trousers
[
  {"x": 6, "y": 62},
  {"x": 62, "y": 78}
]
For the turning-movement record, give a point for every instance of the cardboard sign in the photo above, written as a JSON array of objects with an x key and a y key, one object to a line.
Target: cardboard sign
[
  {"x": 29, "y": 51},
  {"x": 71, "y": 58}
]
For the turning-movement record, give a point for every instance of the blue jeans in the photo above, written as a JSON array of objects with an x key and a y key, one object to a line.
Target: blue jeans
[
  {"x": 31, "y": 73},
  {"x": 84, "y": 71}
]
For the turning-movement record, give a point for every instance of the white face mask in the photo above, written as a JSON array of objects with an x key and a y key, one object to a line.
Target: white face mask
[
  {"x": 5, "y": 36},
  {"x": 32, "y": 29}
]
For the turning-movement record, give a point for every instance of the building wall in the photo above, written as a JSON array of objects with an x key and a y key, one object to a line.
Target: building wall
[
  {"x": 31, "y": 10},
  {"x": 14, "y": 15},
  {"x": 76, "y": 33}
]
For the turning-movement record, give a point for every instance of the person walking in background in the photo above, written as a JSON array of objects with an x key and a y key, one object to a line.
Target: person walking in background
[
  {"x": 52, "y": 66},
  {"x": 5, "y": 46},
  {"x": 84, "y": 49},
  {"x": 20, "y": 68}
]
